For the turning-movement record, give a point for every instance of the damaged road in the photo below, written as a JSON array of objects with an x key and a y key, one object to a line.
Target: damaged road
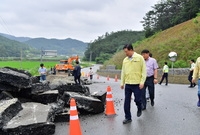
[{"x": 30, "y": 107}]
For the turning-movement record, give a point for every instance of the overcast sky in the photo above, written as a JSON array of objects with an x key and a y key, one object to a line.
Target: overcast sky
[{"x": 83, "y": 20}]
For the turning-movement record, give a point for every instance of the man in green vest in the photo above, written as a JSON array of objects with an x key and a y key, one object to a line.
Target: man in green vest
[{"x": 165, "y": 74}]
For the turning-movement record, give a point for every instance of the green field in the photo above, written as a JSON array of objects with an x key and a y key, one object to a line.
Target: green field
[{"x": 31, "y": 66}]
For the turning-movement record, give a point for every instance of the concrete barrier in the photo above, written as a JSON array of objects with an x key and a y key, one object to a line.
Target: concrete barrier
[{"x": 176, "y": 76}]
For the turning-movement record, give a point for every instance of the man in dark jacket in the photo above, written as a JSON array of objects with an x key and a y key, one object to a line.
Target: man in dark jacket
[{"x": 77, "y": 73}]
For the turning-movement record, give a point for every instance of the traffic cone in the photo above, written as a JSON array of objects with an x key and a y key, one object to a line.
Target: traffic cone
[
  {"x": 82, "y": 74},
  {"x": 74, "y": 123},
  {"x": 116, "y": 78},
  {"x": 108, "y": 78},
  {"x": 110, "y": 110}
]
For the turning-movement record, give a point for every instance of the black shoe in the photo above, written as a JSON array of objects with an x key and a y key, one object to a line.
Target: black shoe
[
  {"x": 194, "y": 85},
  {"x": 152, "y": 103},
  {"x": 144, "y": 108},
  {"x": 126, "y": 121},
  {"x": 159, "y": 83},
  {"x": 139, "y": 113}
]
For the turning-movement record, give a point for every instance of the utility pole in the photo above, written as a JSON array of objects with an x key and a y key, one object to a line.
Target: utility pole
[
  {"x": 41, "y": 55},
  {"x": 90, "y": 56},
  {"x": 21, "y": 58}
]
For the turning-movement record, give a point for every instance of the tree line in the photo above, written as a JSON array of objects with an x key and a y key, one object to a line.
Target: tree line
[
  {"x": 168, "y": 13},
  {"x": 105, "y": 46}
]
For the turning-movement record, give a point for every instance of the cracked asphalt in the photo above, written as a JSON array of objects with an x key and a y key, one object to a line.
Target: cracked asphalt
[{"x": 175, "y": 112}]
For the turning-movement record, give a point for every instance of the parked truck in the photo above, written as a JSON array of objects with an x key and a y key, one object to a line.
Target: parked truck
[{"x": 67, "y": 65}]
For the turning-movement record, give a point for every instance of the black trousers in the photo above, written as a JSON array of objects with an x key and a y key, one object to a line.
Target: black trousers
[
  {"x": 151, "y": 87},
  {"x": 164, "y": 76},
  {"x": 129, "y": 89},
  {"x": 77, "y": 79},
  {"x": 190, "y": 78}
]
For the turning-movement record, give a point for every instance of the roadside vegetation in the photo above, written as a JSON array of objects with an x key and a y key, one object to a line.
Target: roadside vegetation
[{"x": 184, "y": 39}]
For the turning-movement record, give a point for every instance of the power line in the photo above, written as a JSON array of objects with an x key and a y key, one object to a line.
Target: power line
[{"x": 4, "y": 25}]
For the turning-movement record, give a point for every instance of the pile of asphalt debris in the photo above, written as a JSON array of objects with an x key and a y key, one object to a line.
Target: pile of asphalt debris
[{"x": 31, "y": 107}]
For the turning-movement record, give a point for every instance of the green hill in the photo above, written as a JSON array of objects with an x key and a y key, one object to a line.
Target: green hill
[
  {"x": 105, "y": 46},
  {"x": 64, "y": 47},
  {"x": 12, "y": 48},
  {"x": 184, "y": 39},
  {"x": 20, "y": 39}
]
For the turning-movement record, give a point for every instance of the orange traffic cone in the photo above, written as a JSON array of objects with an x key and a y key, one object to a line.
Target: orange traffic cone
[
  {"x": 115, "y": 78},
  {"x": 110, "y": 110},
  {"x": 74, "y": 123},
  {"x": 82, "y": 74},
  {"x": 108, "y": 78}
]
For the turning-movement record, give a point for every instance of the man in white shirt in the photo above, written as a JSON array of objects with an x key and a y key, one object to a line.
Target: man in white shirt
[{"x": 42, "y": 71}]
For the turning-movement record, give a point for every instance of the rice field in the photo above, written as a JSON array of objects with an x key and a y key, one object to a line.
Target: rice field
[{"x": 31, "y": 66}]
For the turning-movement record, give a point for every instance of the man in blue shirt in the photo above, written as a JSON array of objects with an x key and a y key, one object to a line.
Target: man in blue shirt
[{"x": 42, "y": 71}]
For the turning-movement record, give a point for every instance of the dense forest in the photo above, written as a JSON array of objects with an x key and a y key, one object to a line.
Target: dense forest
[
  {"x": 168, "y": 13},
  {"x": 105, "y": 46}
]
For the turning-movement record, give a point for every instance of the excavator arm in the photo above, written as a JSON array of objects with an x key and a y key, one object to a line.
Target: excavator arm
[{"x": 66, "y": 65}]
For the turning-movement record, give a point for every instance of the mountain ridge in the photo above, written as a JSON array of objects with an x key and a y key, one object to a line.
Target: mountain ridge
[{"x": 66, "y": 46}]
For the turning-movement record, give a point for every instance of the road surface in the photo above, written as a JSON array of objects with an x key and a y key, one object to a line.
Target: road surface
[{"x": 175, "y": 112}]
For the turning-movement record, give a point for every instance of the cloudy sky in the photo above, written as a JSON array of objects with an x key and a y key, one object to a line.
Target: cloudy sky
[{"x": 83, "y": 20}]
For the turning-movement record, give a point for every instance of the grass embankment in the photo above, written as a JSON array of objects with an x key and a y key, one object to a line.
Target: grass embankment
[{"x": 184, "y": 39}]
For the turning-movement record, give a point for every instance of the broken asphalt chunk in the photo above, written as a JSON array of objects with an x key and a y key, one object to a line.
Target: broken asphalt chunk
[
  {"x": 8, "y": 109},
  {"x": 34, "y": 119}
]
